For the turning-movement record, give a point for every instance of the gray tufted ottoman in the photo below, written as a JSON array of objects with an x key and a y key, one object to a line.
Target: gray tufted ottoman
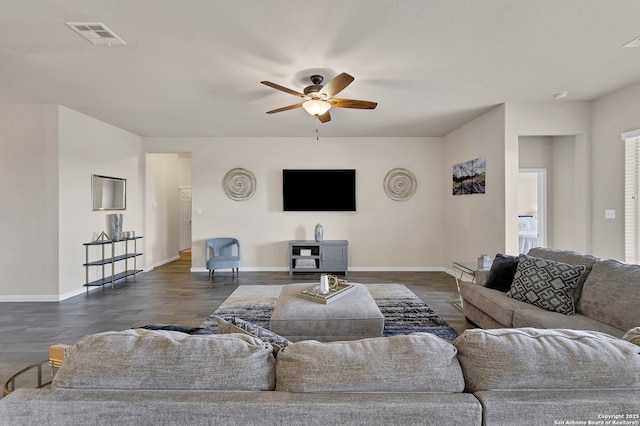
[{"x": 353, "y": 316}]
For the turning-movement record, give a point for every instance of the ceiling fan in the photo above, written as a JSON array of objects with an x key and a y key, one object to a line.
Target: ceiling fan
[{"x": 319, "y": 99}]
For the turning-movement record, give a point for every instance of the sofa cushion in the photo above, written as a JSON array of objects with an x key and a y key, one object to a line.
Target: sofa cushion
[
  {"x": 158, "y": 359},
  {"x": 558, "y": 407},
  {"x": 546, "y": 283},
  {"x": 494, "y": 303},
  {"x": 528, "y": 358},
  {"x": 228, "y": 325},
  {"x": 564, "y": 256},
  {"x": 502, "y": 271},
  {"x": 611, "y": 294},
  {"x": 419, "y": 362},
  {"x": 540, "y": 318}
]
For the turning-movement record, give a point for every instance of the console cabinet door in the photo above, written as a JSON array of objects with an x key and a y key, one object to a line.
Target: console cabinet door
[{"x": 334, "y": 258}]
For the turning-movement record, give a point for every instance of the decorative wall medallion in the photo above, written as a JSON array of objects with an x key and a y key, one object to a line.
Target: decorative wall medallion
[
  {"x": 400, "y": 184},
  {"x": 239, "y": 184}
]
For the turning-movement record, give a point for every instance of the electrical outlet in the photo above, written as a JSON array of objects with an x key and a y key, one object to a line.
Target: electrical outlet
[{"x": 609, "y": 214}]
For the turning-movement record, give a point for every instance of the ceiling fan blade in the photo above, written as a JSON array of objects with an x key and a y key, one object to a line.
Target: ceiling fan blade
[
  {"x": 352, "y": 103},
  {"x": 287, "y": 108},
  {"x": 324, "y": 117},
  {"x": 284, "y": 89},
  {"x": 336, "y": 85}
]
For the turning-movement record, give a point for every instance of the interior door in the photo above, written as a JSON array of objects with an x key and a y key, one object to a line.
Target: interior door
[{"x": 185, "y": 218}]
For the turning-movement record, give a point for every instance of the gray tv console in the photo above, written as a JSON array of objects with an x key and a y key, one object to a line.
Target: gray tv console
[{"x": 309, "y": 256}]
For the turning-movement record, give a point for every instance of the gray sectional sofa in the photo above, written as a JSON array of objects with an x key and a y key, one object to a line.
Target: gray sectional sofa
[
  {"x": 491, "y": 377},
  {"x": 605, "y": 297}
]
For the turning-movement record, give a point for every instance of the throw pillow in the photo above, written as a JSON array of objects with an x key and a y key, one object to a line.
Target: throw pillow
[
  {"x": 502, "y": 271},
  {"x": 229, "y": 325},
  {"x": 176, "y": 327},
  {"x": 546, "y": 284}
]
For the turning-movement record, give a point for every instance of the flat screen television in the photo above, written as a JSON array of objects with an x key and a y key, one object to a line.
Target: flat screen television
[{"x": 319, "y": 189}]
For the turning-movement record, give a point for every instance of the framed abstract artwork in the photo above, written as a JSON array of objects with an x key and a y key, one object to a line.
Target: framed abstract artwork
[{"x": 469, "y": 177}]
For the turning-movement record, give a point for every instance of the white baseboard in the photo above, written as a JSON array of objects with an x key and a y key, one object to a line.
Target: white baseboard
[
  {"x": 247, "y": 269},
  {"x": 46, "y": 297},
  {"x": 30, "y": 298},
  {"x": 396, "y": 269},
  {"x": 163, "y": 262},
  {"x": 354, "y": 269}
]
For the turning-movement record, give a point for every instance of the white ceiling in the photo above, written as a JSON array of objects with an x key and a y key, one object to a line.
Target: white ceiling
[{"x": 193, "y": 68}]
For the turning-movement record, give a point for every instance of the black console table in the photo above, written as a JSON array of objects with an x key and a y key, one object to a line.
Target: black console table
[{"x": 111, "y": 277}]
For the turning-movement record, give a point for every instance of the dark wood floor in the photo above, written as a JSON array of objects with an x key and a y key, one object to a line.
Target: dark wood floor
[{"x": 170, "y": 294}]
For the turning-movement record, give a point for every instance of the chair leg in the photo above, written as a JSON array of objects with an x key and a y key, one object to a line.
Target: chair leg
[{"x": 210, "y": 274}]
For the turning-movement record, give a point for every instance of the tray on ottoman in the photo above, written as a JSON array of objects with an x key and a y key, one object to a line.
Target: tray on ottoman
[
  {"x": 351, "y": 317},
  {"x": 334, "y": 294}
]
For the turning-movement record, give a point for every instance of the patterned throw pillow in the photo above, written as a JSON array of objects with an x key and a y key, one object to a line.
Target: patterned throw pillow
[
  {"x": 229, "y": 325},
  {"x": 546, "y": 284}
]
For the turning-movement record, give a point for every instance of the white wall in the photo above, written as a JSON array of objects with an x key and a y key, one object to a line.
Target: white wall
[
  {"x": 556, "y": 154},
  {"x": 474, "y": 224},
  {"x": 48, "y": 155},
  {"x": 184, "y": 170},
  {"x": 557, "y": 119},
  {"x": 536, "y": 152},
  {"x": 48, "y": 152},
  {"x": 527, "y": 194},
  {"x": 612, "y": 114},
  {"x": 565, "y": 232},
  {"x": 89, "y": 146},
  {"x": 29, "y": 208},
  {"x": 383, "y": 234},
  {"x": 162, "y": 177}
]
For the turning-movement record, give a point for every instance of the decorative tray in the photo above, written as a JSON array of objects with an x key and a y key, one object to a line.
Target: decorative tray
[{"x": 336, "y": 291}]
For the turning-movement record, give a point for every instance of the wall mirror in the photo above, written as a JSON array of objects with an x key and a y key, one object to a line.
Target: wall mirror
[{"x": 109, "y": 193}]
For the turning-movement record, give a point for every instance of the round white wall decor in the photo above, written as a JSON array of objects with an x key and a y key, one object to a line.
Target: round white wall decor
[
  {"x": 400, "y": 184},
  {"x": 239, "y": 184}
]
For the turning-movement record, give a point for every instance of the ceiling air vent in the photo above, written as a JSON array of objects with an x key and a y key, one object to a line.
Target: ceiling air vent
[{"x": 96, "y": 33}]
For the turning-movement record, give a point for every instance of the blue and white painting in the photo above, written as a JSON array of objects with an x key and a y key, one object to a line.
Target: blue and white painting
[{"x": 469, "y": 177}]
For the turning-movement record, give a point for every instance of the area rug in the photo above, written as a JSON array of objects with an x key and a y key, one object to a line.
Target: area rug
[{"x": 403, "y": 311}]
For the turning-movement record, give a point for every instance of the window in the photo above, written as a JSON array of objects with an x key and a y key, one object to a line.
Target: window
[{"x": 631, "y": 194}]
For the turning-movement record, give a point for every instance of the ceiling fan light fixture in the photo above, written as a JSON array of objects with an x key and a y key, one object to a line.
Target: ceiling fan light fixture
[{"x": 316, "y": 106}]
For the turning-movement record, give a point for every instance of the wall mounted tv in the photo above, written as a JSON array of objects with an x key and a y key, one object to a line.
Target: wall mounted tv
[{"x": 319, "y": 190}]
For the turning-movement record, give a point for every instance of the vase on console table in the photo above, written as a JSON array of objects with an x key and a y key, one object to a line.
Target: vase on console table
[
  {"x": 319, "y": 232},
  {"x": 116, "y": 226}
]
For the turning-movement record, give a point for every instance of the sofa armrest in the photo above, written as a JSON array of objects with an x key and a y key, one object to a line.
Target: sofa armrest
[{"x": 481, "y": 276}]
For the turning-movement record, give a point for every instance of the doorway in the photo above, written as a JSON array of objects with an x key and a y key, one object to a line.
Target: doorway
[{"x": 532, "y": 208}]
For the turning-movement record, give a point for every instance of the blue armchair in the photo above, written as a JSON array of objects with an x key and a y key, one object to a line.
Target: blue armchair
[{"x": 223, "y": 253}]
